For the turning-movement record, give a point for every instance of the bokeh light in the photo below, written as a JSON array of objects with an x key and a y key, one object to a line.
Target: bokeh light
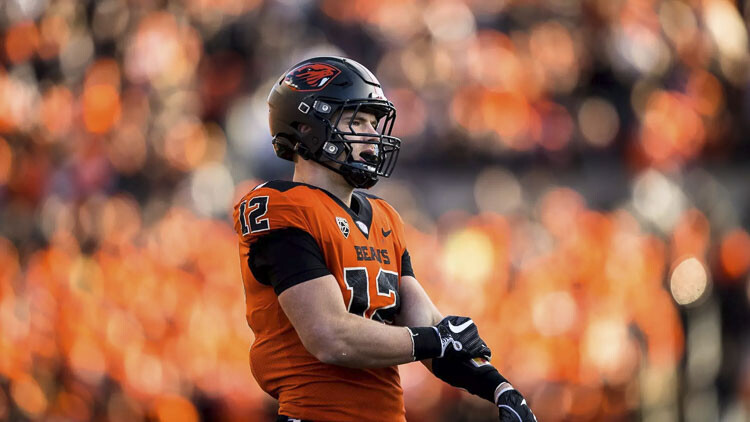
[
  {"x": 56, "y": 111},
  {"x": 555, "y": 313},
  {"x": 727, "y": 29},
  {"x": 468, "y": 257},
  {"x": 658, "y": 199},
  {"x": 29, "y": 397},
  {"x": 21, "y": 41},
  {"x": 6, "y": 161},
  {"x": 598, "y": 121},
  {"x": 735, "y": 253},
  {"x": 497, "y": 190},
  {"x": 688, "y": 281}
]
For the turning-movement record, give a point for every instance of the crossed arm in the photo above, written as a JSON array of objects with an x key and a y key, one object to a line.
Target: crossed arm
[
  {"x": 338, "y": 337},
  {"x": 333, "y": 335}
]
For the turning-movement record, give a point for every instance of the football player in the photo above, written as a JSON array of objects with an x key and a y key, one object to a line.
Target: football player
[{"x": 331, "y": 295}]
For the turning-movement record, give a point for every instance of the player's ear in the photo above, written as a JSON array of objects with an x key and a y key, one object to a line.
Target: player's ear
[{"x": 303, "y": 128}]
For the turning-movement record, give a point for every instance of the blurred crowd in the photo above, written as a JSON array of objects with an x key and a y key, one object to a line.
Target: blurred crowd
[{"x": 574, "y": 174}]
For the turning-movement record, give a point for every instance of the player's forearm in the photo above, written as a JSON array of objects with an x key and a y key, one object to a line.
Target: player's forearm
[
  {"x": 416, "y": 306},
  {"x": 357, "y": 342}
]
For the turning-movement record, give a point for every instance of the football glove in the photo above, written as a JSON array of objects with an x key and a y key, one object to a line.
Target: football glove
[
  {"x": 459, "y": 338},
  {"x": 511, "y": 405}
]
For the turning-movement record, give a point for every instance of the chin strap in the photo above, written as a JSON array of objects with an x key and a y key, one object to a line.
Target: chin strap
[{"x": 357, "y": 178}]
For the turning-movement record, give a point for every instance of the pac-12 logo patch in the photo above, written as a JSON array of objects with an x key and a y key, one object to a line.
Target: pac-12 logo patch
[
  {"x": 311, "y": 76},
  {"x": 343, "y": 226}
]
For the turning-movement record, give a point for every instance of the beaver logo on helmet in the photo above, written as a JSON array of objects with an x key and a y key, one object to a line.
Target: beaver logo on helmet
[{"x": 311, "y": 76}]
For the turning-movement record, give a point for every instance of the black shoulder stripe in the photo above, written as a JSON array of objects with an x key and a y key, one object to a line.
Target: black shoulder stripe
[
  {"x": 368, "y": 195},
  {"x": 281, "y": 185}
]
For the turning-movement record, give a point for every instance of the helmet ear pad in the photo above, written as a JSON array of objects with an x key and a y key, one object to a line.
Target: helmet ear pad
[
  {"x": 284, "y": 146},
  {"x": 305, "y": 143},
  {"x": 312, "y": 140}
]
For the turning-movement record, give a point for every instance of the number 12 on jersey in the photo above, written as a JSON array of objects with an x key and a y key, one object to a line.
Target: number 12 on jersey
[
  {"x": 386, "y": 304},
  {"x": 258, "y": 208}
]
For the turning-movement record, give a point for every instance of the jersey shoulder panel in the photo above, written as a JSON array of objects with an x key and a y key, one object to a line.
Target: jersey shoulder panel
[
  {"x": 381, "y": 205},
  {"x": 274, "y": 205}
]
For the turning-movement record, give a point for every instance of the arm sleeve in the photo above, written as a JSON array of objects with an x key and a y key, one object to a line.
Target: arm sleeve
[
  {"x": 286, "y": 257},
  {"x": 476, "y": 376}
]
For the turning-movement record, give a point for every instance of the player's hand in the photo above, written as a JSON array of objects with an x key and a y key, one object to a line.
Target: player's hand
[
  {"x": 511, "y": 404},
  {"x": 459, "y": 338}
]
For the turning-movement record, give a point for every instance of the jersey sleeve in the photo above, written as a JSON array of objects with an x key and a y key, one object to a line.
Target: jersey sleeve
[
  {"x": 406, "y": 268},
  {"x": 281, "y": 250},
  {"x": 286, "y": 257}
]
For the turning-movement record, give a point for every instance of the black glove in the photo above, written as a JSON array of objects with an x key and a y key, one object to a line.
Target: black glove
[
  {"x": 511, "y": 404},
  {"x": 459, "y": 338}
]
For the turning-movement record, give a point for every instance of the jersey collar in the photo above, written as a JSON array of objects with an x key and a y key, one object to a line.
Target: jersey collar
[{"x": 362, "y": 218}]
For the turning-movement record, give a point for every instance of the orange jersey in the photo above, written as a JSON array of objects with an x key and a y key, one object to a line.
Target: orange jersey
[{"x": 364, "y": 252}]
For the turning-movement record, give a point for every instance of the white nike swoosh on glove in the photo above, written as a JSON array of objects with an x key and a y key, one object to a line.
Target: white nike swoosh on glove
[{"x": 458, "y": 328}]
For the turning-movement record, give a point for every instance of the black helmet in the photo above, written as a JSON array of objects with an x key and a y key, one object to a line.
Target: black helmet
[{"x": 316, "y": 93}]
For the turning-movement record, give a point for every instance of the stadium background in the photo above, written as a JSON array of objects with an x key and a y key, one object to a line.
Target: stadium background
[{"x": 574, "y": 175}]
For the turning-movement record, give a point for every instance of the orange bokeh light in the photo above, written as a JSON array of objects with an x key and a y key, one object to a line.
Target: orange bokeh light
[
  {"x": 54, "y": 33},
  {"x": 29, "y": 396},
  {"x": 507, "y": 113},
  {"x": 551, "y": 45},
  {"x": 175, "y": 409},
  {"x": 119, "y": 221},
  {"x": 70, "y": 406},
  {"x": 6, "y": 161},
  {"x": 672, "y": 131},
  {"x": 56, "y": 111},
  {"x": 21, "y": 41},
  {"x": 349, "y": 10},
  {"x": 735, "y": 253},
  {"x": 559, "y": 210},
  {"x": 494, "y": 63},
  {"x": 127, "y": 149},
  {"x": 201, "y": 8},
  {"x": 185, "y": 144},
  {"x": 101, "y": 108},
  {"x": 464, "y": 113},
  {"x": 103, "y": 72},
  {"x": 163, "y": 51},
  {"x": 706, "y": 92}
]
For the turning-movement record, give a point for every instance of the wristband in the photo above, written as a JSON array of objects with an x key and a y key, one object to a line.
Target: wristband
[
  {"x": 425, "y": 342},
  {"x": 501, "y": 388}
]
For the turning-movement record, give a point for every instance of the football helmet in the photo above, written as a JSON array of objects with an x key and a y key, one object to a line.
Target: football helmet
[{"x": 316, "y": 93}]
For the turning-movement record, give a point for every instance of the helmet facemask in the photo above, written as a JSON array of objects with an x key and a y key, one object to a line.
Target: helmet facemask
[{"x": 337, "y": 153}]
